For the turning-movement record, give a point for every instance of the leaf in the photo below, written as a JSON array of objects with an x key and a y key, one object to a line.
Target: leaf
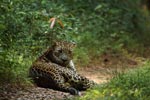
[
  {"x": 98, "y": 7},
  {"x": 60, "y": 23},
  {"x": 52, "y": 21},
  {"x": 2, "y": 27}
]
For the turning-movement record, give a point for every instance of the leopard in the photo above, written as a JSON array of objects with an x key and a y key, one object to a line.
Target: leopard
[{"x": 55, "y": 69}]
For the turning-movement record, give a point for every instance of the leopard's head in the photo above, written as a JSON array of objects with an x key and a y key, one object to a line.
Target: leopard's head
[{"x": 61, "y": 52}]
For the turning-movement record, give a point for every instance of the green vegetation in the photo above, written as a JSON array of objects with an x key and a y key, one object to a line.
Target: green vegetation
[
  {"x": 133, "y": 85},
  {"x": 95, "y": 25}
]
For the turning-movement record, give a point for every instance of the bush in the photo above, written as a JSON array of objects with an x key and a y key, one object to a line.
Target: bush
[
  {"x": 133, "y": 85},
  {"x": 93, "y": 25}
]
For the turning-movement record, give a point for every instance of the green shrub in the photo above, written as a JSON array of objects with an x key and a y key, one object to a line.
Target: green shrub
[
  {"x": 93, "y": 25},
  {"x": 133, "y": 85}
]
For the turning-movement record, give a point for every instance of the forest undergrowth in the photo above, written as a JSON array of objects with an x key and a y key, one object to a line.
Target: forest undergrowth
[{"x": 112, "y": 35}]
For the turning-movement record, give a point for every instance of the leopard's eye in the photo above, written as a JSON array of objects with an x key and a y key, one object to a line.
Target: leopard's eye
[
  {"x": 70, "y": 51},
  {"x": 60, "y": 51},
  {"x": 56, "y": 53}
]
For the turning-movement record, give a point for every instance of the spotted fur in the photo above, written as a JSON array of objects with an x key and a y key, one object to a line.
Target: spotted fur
[{"x": 55, "y": 69}]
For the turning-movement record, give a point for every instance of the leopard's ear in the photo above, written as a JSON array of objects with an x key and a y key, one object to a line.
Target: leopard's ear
[
  {"x": 55, "y": 44},
  {"x": 72, "y": 45}
]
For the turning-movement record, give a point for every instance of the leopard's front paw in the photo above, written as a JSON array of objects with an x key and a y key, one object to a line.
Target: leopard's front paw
[{"x": 74, "y": 91}]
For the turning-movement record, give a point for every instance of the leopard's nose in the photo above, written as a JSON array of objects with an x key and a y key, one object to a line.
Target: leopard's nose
[{"x": 64, "y": 58}]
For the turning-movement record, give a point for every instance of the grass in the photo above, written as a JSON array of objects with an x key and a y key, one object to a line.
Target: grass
[{"x": 132, "y": 85}]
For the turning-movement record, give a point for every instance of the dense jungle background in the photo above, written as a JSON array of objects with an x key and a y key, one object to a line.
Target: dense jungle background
[{"x": 112, "y": 37}]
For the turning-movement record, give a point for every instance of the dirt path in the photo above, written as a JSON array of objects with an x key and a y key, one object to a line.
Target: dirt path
[
  {"x": 97, "y": 74},
  {"x": 9, "y": 92},
  {"x": 33, "y": 93}
]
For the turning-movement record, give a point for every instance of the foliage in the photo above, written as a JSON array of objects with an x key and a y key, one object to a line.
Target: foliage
[
  {"x": 25, "y": 33},
  {"x": 93, "y": 25},
  {"x": 133, "y": 85}
]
